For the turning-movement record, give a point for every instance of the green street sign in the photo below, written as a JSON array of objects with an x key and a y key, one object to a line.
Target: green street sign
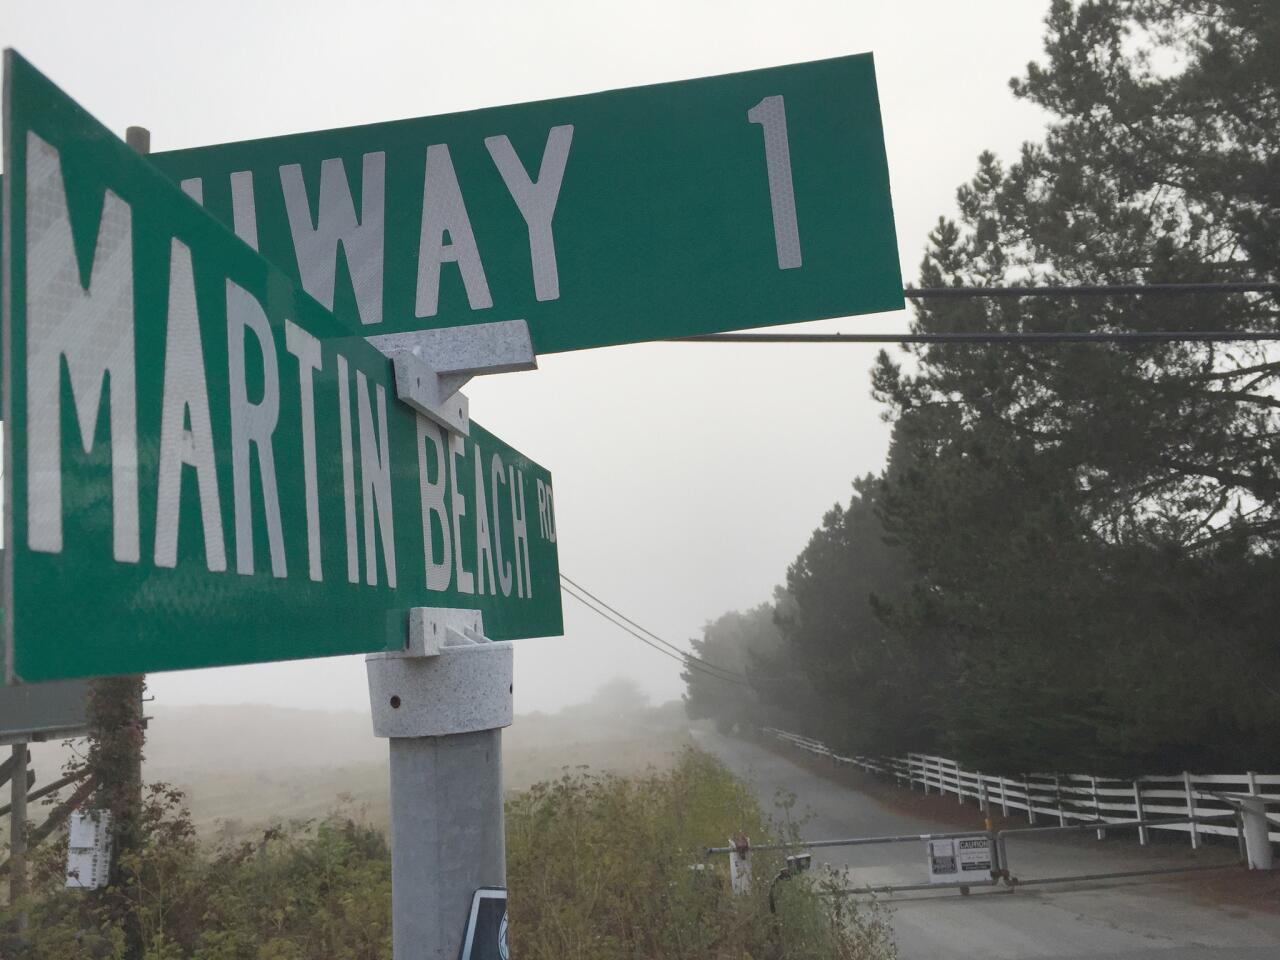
[
  {"x": 203, "y": 466},
  {"x": 728, "y": 202}
]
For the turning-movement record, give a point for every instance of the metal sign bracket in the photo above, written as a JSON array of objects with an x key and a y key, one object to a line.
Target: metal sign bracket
[{"x": 432, "y": 366}]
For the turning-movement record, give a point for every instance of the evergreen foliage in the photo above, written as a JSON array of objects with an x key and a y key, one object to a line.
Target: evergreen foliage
[{"x": 1078, "y": 544}]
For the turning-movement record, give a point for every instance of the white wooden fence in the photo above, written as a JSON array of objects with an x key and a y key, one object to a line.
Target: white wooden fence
[{"x": 1070, "y": 797}]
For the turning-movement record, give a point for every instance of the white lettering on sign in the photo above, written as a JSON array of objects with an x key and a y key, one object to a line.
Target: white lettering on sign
[
  {"x": 443, "y": 212},
  {"x": 253, "y": 423},
  {"x": 307, "y": 349},
  {"x": 484, "y": 546},
  {"x": 439, "y": 571},
  {"x": 546, "y": 513},
  {"x": 244, "y": 215},
  {"x": 81, "y": 317},
  {"x": 375, "y": 481},
  {"x": 91, "y": 325},
  {"x": 520, "y": 534},
  {"x": 348, "y": 471},
  {"x": 771, "y": 114},
  {"x": 537, "y": 201},
  {"x": 498, "y": 474},
  {"x": 361, "y": 238},
  {"x": 186, "y": 396},
  {"x": 466, "y": 583}
]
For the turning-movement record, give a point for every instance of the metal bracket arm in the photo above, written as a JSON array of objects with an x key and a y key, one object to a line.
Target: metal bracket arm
[{"x": 432, "y": 366}]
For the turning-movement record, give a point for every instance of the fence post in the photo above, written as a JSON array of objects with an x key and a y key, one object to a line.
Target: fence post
[
  {"x": 1057, "y": 794},
  {"x": 959, "y": 786},
  {"x": 740, "y": 863},
  {"x": 1031, "y": 806},
  {"x": 1004, "y": 797},
  {"x": 984, "y": 803},
  {"x": 1191, "y": 810},
  {"x": 1097, "y": 808},
  {"x": 1140, "y": 813},
  {"x": 924, "y": 774}
]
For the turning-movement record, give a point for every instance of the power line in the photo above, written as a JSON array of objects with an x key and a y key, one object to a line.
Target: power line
[
  {"x": 683, "y": 660},
  {"x": 1063, "y": 292},
  {"x": 1125, "y": 336},
  {"x": 1093, "y": 290},
  {"x": 618, "y": 613},
  {"x": 686, "y": 660}
]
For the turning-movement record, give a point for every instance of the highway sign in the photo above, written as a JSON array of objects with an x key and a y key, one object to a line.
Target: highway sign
[
  {"x": 727, "y": 202},
  {"x": 203, "y": 466}
]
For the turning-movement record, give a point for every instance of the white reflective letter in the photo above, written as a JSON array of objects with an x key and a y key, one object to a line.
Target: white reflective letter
[
  {"x": 93, "y": 329},
  {"x": 443, "y": 211},
  {"x": 537, "y": 201},
  {"x": 348, "y": 471},
  {"x": 484, "y": 547},
  {"x": 439, "y": 572},
  {"x": 375, "y": 481},
  {"x": 498, "y": 474},
  {"x": 520, "y": 534},
  {"x": 336, "y": 223},
  {"x": 307, "y": 349},
  {"x": 244, "y": 214},
  {"x": 253, "y": 423},
  {"x": 185, "y": 390},
  {"x": 457, "y": 448}
]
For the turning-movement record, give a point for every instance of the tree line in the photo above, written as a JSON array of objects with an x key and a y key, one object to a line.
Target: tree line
[{"x": 1070, "y": 559}]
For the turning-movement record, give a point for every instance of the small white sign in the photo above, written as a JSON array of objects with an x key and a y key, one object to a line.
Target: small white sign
[
  {"x": 974, "y": 857},
  {"x": 943, "y": 864},
  {"x": 959, "y": 860},
  {"x": 89, "y": 850}
]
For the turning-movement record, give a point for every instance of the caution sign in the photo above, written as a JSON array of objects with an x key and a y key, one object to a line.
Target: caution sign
[
  {"x": 959, "y": 860},
  {"x": 486, "y": 934},
  {"x": 973, "y": 856}
]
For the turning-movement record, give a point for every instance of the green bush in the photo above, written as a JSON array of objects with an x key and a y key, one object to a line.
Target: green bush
[
  {"x": 605, "y": 867},
  {"x": 600, "y": 867}
]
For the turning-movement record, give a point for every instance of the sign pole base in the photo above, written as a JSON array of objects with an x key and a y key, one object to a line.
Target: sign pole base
[{"x": 443, "y": 702}]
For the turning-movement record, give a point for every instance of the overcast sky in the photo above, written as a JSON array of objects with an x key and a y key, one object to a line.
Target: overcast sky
[{"x": 687, "y": 477}]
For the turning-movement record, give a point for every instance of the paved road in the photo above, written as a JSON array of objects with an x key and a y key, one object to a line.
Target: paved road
[{"x": 1115, "y": 919}]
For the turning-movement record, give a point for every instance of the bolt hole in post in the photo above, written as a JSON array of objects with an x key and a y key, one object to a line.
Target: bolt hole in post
[{"x": 395, "y": 703}]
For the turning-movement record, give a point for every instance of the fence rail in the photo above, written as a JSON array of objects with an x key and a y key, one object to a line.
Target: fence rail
[{"x": 1085, "y": 799}]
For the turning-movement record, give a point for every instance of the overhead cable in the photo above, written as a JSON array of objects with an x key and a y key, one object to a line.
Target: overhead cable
[
  {"x": 690, "y": 662},
  {"x": 618, "y": 613}
]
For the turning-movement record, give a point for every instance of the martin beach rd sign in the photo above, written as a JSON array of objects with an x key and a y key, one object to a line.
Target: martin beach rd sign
[
  {"x": 684, "y": 208},
  {"x": 205, "y": 467}
]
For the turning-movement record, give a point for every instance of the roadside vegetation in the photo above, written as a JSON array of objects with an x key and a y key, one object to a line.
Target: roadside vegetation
[
  {"x": 600, "y": 866},
  {"x": 1068, "y": 561}
]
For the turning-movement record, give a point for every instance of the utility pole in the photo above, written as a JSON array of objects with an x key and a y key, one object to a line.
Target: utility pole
[
  {"x": 113, "y": 713},
  {"x": 18, "y": 834}
]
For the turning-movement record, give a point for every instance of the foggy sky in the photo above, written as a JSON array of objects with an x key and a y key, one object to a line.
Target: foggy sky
[{"x": 687, "y": 477}]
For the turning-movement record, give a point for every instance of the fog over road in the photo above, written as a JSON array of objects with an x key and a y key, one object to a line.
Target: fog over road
[{"x": 1131, "y": 919}]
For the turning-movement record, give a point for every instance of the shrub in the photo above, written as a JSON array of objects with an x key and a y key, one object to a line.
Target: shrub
[{"x": 601, "y": 867}]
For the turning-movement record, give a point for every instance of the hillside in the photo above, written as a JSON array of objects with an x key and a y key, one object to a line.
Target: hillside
[{"x": 245, "y": 766}]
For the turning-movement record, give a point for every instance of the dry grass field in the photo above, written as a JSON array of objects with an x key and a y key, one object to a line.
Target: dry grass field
[{"x": 246, "y": 767}]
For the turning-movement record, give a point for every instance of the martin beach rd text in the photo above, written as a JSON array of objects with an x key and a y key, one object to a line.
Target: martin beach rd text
[{"x": 205, "y": 466}]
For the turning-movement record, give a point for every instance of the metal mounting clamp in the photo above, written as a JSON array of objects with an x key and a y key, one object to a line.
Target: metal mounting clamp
[
  {"x": 432, "y": 366},
  {"x": 449, "y": 678}
]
